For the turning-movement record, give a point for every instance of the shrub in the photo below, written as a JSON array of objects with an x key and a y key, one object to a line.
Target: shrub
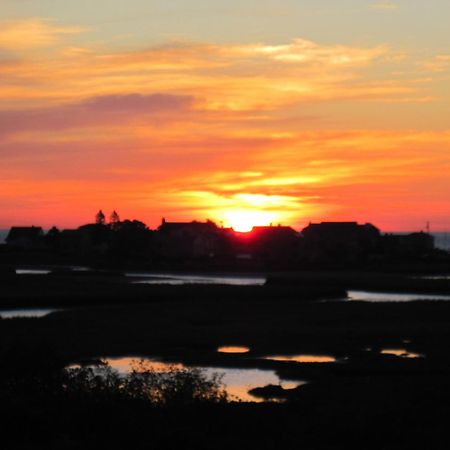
[{"x": 169, "y": 388}]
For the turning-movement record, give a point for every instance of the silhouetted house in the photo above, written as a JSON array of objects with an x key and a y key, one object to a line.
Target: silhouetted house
[
  {"x": 52, "y": 238},
  {"x": 69, "y": 242},
  {"x": 26, "y": 238},
  {"x": 339, "y": 241},
  {"x": 87, "y": 240},
  {"x": 408, "y": 245},
  {"x": 273, "y": 244},
  {"x": 94, "y": 238},
  {"x": 190, "y": 240}
]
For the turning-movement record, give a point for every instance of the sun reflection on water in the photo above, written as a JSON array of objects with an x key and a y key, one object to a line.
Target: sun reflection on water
[
  {"x": 401, "y": 353},
  {"x": 233, "y": 349},
  {"x": 303, "y": 358}
]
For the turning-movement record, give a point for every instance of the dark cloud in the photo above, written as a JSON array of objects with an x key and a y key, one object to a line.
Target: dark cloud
[
  {"x": 137, "y": 103},
  {"x": 96, "y": 111}
]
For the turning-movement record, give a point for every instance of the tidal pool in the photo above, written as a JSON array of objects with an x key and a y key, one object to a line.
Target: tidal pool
[
  {"x": 401, "y": 353},
  {"x": 365, "y": 296},
  {"x": 33, "y": 271},
  {"x": 302, "y": 358},
  {"x": 177, "y": 279},
  {"x": 237, "y": 382},
  {"x": 25, "y": 313},
  {"x": 49, "y": 269},
  {"x": 231, "y": 349}
]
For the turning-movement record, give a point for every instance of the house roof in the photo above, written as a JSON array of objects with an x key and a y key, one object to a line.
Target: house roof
[
  {"x": 339, "y": 227},
  {"x": 271, "y": 230},
  {"x": 192, "y": 226},
  {"x": 24, "y": 233}
]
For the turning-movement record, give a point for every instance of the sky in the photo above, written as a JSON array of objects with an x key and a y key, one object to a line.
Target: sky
[{"x": 244, "y": 112}]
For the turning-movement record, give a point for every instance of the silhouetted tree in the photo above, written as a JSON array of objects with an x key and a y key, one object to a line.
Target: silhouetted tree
[
  {"x": 132, "y": 240},
  {"x": 114, "y": 220},
  {"x": 100, "y": 218}
]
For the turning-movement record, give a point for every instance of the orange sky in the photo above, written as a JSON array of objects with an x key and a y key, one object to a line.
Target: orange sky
[{"x": 259, "y": 131}]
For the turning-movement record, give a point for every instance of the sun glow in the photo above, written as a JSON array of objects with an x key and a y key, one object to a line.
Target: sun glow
[{"x": 244, "y": 220}]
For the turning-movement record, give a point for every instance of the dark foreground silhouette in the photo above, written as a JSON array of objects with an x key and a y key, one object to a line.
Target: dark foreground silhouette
[
  {"x": 366, "y": 400},
  {"x": 46, "y": 407}
]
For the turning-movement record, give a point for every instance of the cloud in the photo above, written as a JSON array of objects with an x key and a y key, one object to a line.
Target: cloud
[
  {"x": 312, "y": 176},
  {"x": 137, "y": 103},
  {"x": 189, "y": 128},
  {"x": 304, "y": 52},
  {"x": 440, "y": 63},
  {"x": 228, "y": 77},
  {"x": 96, "y": 111},
  {"x": 384, "y": 5},
  {"x": 33, "y": 33}
]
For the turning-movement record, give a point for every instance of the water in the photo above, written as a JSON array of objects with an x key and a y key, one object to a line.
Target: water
[
  {"x": 32, "y": 272},
  {"x": 401, "y": 353},
  {"x": 364, "y": 296},
  {"x": 233, "y": 349},
  {"x": 302, "y": 358},
  {"x": 442, "y": 240},
  {"x": 3, "y": 235},
  {"x": 435, "y": 277},
  {"x": 237, "y": 382},
  {"x": 42, "y": 270},
  {"x": 25, "y": 313},
  {"x": 177, "y": 279}
]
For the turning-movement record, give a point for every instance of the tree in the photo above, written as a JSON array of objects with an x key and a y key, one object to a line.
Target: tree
[
  {"x": 100, "y": 218},
  {"x": 114, "y": 220}
]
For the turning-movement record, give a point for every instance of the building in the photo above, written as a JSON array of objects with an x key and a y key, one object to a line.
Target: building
[
  {"x": 26, "y": 238},
  {"x": 190, "y": 240},
  {"x": 408, "y": 245},
  {"x": 340, "y": 241}
]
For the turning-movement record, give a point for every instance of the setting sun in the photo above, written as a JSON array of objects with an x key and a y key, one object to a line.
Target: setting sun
[{"x": 243, "y": 221}]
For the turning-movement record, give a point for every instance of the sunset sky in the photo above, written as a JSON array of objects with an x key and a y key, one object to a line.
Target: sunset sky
[{"x": 249, "y": 111}]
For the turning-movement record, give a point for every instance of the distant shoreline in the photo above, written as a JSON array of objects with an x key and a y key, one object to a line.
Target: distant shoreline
[{"x": 442, "y": 238}]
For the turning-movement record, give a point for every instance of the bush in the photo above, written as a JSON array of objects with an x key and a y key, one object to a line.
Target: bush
[{"x": 169, "y": 388}]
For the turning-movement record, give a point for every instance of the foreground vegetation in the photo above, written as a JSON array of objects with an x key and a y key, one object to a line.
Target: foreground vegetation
[
  {"x": 366, "y": 400},
  {"x": 43, "y": 407}
]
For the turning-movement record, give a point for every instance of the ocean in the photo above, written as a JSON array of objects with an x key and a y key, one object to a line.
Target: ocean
[
  {"x": 442, "y": 240},
  {"x": 3, "y": 234}
]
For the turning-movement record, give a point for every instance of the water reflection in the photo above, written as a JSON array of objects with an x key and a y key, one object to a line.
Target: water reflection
[
  {"x": 401, "y": 353},
  {"x": 435, "y": 277},
  {"x": 365, "y": 296},
  {"x": 25, "y": 313},
  {"x": 177, "y": 279},
  {"x": 232, "y": 349},
  {"x": 33, "y": 271},
  {"x": 49, "y": 269},
  {"x": 302, "y": 358},
  {"x": 237, "y": 381}
]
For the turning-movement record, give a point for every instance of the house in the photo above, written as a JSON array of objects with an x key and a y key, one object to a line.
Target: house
[
  {"x": 190, "y": 240},
  {"x": 86, "y": 240},
  {"x": 339, "y": 241},
  {"x": 408, "y": 245},
  {"x": 274, "y": 244},
  {"x": 26, "y": 238}
]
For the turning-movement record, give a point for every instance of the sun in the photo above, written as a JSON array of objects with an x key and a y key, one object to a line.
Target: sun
[{"x": 244, "y": 220}]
